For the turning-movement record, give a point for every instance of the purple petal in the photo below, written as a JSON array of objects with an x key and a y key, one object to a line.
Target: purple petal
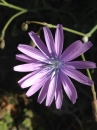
[
  {"x": 59, "y": 95},
  {"x": 35, "y": 87},
  {"x": 82, "y": 64},
  {"x": 25, "y": 58},
  {"x": 43, "y": 92},
  {"x": 78, "y": 76},
  {"x": 49, "y": 40},
  {"x": 26, "y": 77},
  {"x": 38, "y": 77},
  {"x": 59, "y": 39},
  {"x": 68, "y": 87},
  {"x": 51, "y": 89},
  {"x": 32, "y": 52},
  {"x": 28, "y": 67},
  {"x": 74, "y": 50},
  {"x": 39, "y": 43}
]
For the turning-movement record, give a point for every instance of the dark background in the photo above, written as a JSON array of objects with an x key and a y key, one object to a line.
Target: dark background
[{"x": 17, "y": 112}]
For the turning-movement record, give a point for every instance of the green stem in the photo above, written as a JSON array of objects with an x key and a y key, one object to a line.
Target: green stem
[
  {"x": 92, "y": 31},
  {"x": 73, "y": 31},
  {"x": 10, "y": 20},
  {"x": 12, "y": 6},
  {"x": 89, "y": 75},
  {"x": 54, "y": 26},
  {"x": 3, "y": 1},
  {"x": 68, "y": 30}
]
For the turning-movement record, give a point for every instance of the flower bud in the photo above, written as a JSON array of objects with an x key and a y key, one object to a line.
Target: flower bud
[
  {"x": 2, "y": 44},
  {"x": 24, "y": 26},
  {"x": 85, "y": 39},
  {"x": 2, "y": 41},
  {"x": 32, "y": 44}
]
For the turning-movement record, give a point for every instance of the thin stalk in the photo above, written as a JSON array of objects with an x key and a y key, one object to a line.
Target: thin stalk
[
  {"x": 89, "y": 75},
  {"x": 54, "y": 26},
  {"x": 93, "y": 30},
  {"x": 3, "y": 1},
  {"x": 12, "y": 6},
  {"x": 10, "y": 20}
]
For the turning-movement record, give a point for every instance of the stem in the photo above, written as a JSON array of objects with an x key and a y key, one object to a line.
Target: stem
[
  {"x": 10, "y": 20},
  {"x": 3, "y": 1},
  {"x": 93, "y": 30},
  {"x": 12, "y": 6},
  {"x": 74, "y": 31},
  {"x": 54, "y": 26},
  {"x": 89, "y": 75},
  {"x": 69, "y": 30}
]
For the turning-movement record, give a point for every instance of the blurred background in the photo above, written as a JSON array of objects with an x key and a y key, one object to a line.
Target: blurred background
[{"x": 17, "y": 112}]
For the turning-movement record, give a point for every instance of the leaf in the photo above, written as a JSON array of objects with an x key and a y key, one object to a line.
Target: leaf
[{"x": 3, "y": 126}]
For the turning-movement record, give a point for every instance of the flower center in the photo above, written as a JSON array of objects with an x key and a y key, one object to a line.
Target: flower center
[{"x": 55, "y": 63}]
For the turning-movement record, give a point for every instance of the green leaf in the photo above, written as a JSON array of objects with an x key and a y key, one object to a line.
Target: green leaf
[{"x": 3, "y": 126}]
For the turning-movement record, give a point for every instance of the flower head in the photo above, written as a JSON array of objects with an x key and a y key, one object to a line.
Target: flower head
[{"x": 50, "y": 69}]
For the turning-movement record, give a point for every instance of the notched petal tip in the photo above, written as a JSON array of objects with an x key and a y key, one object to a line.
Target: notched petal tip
[
  {"x": 18, "y": 47},
  {"x": 27, "y": 94},
  {"x": 89, "y": 44},
  {"x": 73, "y": 102},
  {"x": 31, "y": 33},
  {"x": 14, "y": 68},
  {"x": 40, "y": 102},
  {"x": 47, "y": 104},
  {"x": 94, "y": 65},
  {"x": 59, "y": 25},
  {"x": 58, "y": 107}
]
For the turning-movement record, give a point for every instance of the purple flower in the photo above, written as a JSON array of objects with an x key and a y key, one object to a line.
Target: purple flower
[{"x": 50, "y": 69}]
